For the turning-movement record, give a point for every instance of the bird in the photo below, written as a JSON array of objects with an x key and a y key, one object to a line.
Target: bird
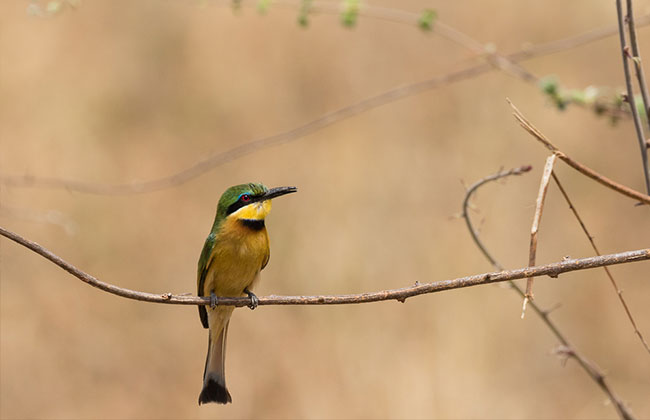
[{"x": 234, "y": 253}]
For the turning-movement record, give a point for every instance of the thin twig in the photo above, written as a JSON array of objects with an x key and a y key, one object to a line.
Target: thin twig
[
  {"x": 636, "y": 59},
  {"x": 630, "y": 97},
  {"x": 539, "y": 208},
  {"x": 502, "y": 174},
  {"x": 572, "y": 42},
  {"x": 202, "y": 166},
  {"x": 629, "y": 192},
  {"x": 568, "y": 350},
  {"x": 619, "y": 292},
  {"x": 552, "y": 270}
]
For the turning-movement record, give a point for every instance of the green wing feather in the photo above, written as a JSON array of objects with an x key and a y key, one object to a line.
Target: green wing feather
[
  {"x": 202, "y": 272},
  {"x": 266, "y": 260}
]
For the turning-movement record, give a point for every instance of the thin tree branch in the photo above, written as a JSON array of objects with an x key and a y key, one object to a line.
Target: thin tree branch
[
  {"x": 516, "y": 171},
  {"x": 619, "y": 292},
  {"x": 567, "y": 349},
  {"x": 202, "y": 166},
  {"x": 630, "y": 96},
  {"x": 552, "y": 270},
  {"x": 629, "y": 192},
  {"x": 636, "y": 59},
  {"x": 572, "y": 42}
]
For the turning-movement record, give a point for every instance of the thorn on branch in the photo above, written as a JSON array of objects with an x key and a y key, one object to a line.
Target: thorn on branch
[
  {"x": 627, "y": 51},
  {"x": 564, "y": 352}
]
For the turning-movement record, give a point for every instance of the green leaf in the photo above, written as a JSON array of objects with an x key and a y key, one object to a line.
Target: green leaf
[
  {"x": 303, "y": 14},
  {"x": 263, "y": 6},
  {"x": 549, "y": 85},
  {"x": 427, "y": 18},
  {"x": 350, "y": 13}
]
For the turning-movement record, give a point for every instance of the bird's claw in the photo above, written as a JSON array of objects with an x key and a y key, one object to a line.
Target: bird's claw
[
  {"x": 213, "y": 300},
  {"x": 254, "y": 300}
]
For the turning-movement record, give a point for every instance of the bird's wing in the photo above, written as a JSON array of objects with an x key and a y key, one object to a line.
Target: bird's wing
[
  {"x": 267, "y": 257},
  {"x": 204, "y": 264}
]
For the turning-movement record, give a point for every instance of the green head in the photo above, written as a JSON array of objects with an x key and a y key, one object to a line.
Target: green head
[{"x": 248, "y": 201}]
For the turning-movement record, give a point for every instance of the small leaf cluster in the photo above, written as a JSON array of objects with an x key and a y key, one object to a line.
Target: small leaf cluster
[{"x": 602, "y": 101}]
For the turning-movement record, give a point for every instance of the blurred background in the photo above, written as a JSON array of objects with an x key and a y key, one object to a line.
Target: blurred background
[{"x": 118, "y": 92}]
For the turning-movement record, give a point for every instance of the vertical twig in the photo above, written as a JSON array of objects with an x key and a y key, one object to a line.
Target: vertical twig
[
  {"x": 619, "y": 292},
  {"x": 630, "y": 96},
  {"x": 566, "y": 348},
  {"x": 636, "y": 59},
  {"x": 532, "y": 254}
]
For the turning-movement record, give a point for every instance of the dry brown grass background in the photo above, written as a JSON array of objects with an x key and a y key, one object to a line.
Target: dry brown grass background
[{"x": 119, "y": 91}]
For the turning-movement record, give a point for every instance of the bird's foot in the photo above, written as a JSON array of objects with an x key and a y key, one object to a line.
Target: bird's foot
[
  {"x": 254, "y": 300},
  {"x": 213, "y": 300}
]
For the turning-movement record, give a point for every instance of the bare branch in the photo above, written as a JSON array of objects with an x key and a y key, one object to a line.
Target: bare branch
[
  {"x": 202, "y": 166},
  {"x": 553, "y": 270},
  {"x": 566, "y": 348},
  {"x": 516, "y": 171},
  {"x": 575, "y": 164},
  {"x": 630, "y": 94},
  {"x": 572, "y": 42},
  {"x": 636, "y": 59},
  {"x": 619, "y": 292}
]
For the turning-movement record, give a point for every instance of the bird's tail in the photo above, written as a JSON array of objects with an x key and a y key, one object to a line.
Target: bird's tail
[{"x": 214, "y": 379}]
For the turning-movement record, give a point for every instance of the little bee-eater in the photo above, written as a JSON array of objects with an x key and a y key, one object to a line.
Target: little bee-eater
[{"x": 235, "y": 252}]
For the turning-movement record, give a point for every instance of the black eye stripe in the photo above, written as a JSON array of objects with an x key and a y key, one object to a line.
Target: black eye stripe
[{"x": 241, "y": 202}]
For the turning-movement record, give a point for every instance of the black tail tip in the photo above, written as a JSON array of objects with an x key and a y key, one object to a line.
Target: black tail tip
[{"x": 214, "y": 392}]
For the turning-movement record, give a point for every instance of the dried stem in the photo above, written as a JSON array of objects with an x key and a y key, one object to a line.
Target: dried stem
[
  {"x": 539, "y": 207},
  {"x": 567, "y": 349},
  {"x": 552, "y": 270},
  {"x": 622, "y": 189},
  {"x": 630, "y": 96},
  {"x": 202, "y": 166},
  {"x": 619, "y": 292}
]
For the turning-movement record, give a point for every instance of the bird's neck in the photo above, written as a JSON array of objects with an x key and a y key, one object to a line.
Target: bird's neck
[
  {"x": 238, "y": 229},
  {"x": 252, "y": 224}
]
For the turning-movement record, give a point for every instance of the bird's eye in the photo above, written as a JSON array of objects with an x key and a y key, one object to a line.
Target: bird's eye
[{"x": 245, "y": 198}]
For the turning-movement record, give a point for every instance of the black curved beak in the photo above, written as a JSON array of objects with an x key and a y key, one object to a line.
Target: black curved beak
[{"x": 277, "y": 192}]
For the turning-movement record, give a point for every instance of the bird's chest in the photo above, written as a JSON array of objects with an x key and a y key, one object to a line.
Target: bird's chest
[{"x": 237, "y": 260}]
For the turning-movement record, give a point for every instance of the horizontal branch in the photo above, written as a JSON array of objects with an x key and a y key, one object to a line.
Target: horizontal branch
[{"x": 552, "y": 270}]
